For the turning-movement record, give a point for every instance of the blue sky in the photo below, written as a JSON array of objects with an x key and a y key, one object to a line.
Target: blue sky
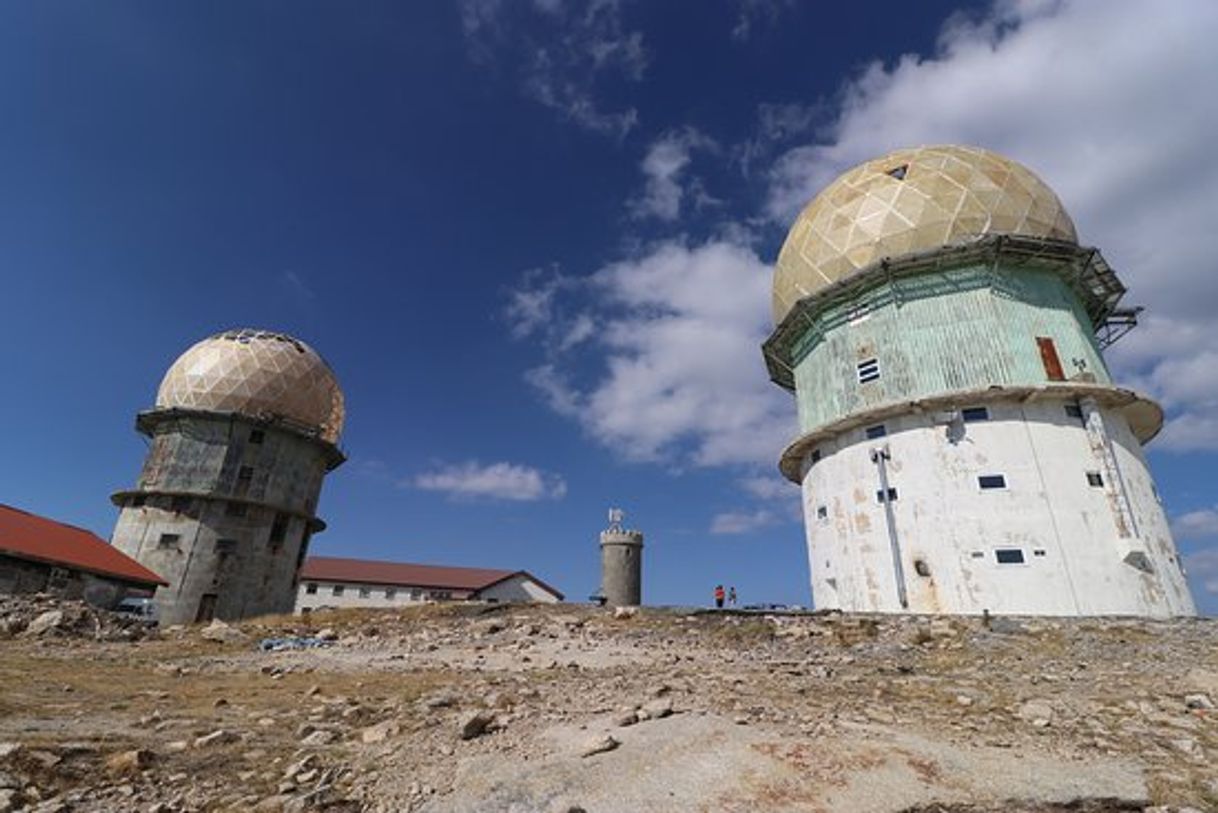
[{"x": 533, "y": 239}]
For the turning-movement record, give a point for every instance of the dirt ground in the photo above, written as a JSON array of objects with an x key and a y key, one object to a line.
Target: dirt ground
[{"x": 569, "y": 708}]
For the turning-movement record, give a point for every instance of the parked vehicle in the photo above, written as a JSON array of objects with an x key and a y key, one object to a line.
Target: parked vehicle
[{"x": 141, "y": 608}]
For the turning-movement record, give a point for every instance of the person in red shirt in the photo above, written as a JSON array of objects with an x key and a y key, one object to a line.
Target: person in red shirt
[{"x": 719, "y": 596}]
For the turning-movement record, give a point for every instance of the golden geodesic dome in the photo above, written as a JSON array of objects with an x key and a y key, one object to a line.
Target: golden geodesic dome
[
  {"x": 257, "y": 373},
  {"x": 906, "y": 201}
]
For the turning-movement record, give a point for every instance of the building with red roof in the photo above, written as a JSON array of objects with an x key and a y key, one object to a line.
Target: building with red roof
[
  {"x": 331, "y": 582},
  {"x": 40, "y": 555}
]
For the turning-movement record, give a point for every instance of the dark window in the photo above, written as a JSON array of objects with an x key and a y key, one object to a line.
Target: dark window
[
  {"x": 987, "y": 481},
  {"x": 391, "y": 592},
  {"x": 235, "y": 509},
  {"x": 892, "y": 495},
  {"x": 279, "y": 528},
  {"x": 822, "y": 512},
  {"x": 978, "y": 554},
  {"x": 181, "y": 504},
  {"x": 815, "y": 456},
  {"x": 311, "y": 588},
  {"x": 1074, "y": 411},
  {"x": 1095, "y": 479},
  {"x": 868, "y": 370},
  {"x": 877, "y": 431},
  {"x": 1050, "y": 359},
  {"x": 973, "y": 414},
  {"x": 364, "y": 592},
  {"x": 257, "y": 436},
  {"x": 1009, "y": 556},
  {"x": 169, "y": 540},
  {"x": 337, "y": 591},
  {"x": 898, "y": 172},
  {"x": 245, "y": 474}
]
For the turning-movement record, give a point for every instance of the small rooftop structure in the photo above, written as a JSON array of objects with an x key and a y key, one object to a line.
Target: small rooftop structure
[
  {"x": 39, "y": 554},
  {"x": 330, "y": 581}
]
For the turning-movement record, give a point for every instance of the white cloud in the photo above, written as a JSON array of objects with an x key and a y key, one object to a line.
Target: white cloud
[
  {"x": 1106, "y": 102},
  {"x": 1202, "y": 568},
  {"x": 753, "y": 10},
  {"x": 769, "y": 488},
  {"x": 1201, "y": 524},
  {"x": 496, "y": 481},
  {"x": 731, "y": 523},
  {"x": 560, "y": 52},
  {"x": 664, "y": 167},
  {"x": 681, "y": 376}
]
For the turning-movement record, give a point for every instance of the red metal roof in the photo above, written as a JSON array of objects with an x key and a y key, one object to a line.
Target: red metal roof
[
  {"x": 29, "y": 536},
  {"x": 405, "y": 574}
]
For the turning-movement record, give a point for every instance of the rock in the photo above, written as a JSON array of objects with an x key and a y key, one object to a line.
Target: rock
[
  {"x": 625, "y": 612},
  {"x": 963, "y": 700},
  {"x": 474, "y": 725},
  {"x": 442, "y": 700},
  {"x": 379, "y": 732},
  {"x": 599, "y": 745},
  {"x": 327, "y": 634},
  {"x": 126, "y": 762},
  {"x": 1198, "y": 701},
  {"x": 9, "y": 749},
  {"x": 319, "y": 738},
  {"x": 1037, "y": 712},
  {"x": 45, "y": 622},
  {"x": 218, "y": 737},
  {"x": 626, "y": 718},
  {"x": 656, "y": 709},
  {"x": 297, "y": 768},
  {"x": 221, "y": 632},
  {"x": 8, "y": 800}
]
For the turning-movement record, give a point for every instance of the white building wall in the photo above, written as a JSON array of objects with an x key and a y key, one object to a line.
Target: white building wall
[
  {"x": 518, "y": 588},
  {"x": 1069, "y": 532}
]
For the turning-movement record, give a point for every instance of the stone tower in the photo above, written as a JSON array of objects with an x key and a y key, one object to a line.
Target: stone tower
[
  {"x": 962, "y": 444},
  {"x": 621, "y": 563},
  {"x": 245, "y": 426}
]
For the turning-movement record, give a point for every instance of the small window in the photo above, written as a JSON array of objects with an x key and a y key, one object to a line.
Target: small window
[
  {"x": 364, "y": 592},
  {"x": 868, "y": 370},
  {"x": 822, "y": 512},
  {"x": 180, "y": 504},
  {"x": 311, "y": 588},
  {"x": 921, "y": 568},
  {"x": 898, "y": 172},
  {"x": 1009, "y": 556},
  {"x": 1095, "y": 479},
  {"x": 877, "y": 431},
  {"x": 236, "y": 509},
  {"x": 257, "y": 436},
  {"x": 169, "y": 540},
  {"x": 391, "y": 592},
  {"x": 337, "y": 591},
  {"x": 989, "y": 481},
  {"x": 279, "y": 528},
  {"x": 974, "y": 414},
  {"x": 978, "y": 554},
  {"x": 226, "y": 546},
  {"x": 814, "y": 457},
  {"x": 1074, "y": 411},
  {"x": 892, "y": 495}
]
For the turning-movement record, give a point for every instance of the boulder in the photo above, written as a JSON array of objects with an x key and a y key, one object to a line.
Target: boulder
[
  {"x": 599, "y": 745},
  {"x": 476, "y": 724},
  {"x": 45, "y": 622},
  {"x": 221, "y": 632}
]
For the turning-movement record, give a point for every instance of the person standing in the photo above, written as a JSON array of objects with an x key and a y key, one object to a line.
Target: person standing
[
  {"x": 731, "y": 596},
  {"x": 719, "y": 596}
]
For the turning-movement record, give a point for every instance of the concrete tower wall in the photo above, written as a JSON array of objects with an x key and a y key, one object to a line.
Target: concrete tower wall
[
  {"x": 622, "y": 568},
  {"x": 957, "y": 329},
  {"x": 1075, "y": 527},
  {"x": 223, "y": 510}
]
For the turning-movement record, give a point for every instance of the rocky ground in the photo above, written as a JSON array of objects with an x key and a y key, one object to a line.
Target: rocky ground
[{"x": 564, "y": 709}]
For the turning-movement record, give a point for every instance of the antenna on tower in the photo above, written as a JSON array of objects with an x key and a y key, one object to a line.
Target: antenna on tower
[{"x": 616, "y": 515}]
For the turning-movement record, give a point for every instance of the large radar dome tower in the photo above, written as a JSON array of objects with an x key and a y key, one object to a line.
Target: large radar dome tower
[
  {"x": 246, "y": 425},
  {"x": 962, "y": 446}
]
